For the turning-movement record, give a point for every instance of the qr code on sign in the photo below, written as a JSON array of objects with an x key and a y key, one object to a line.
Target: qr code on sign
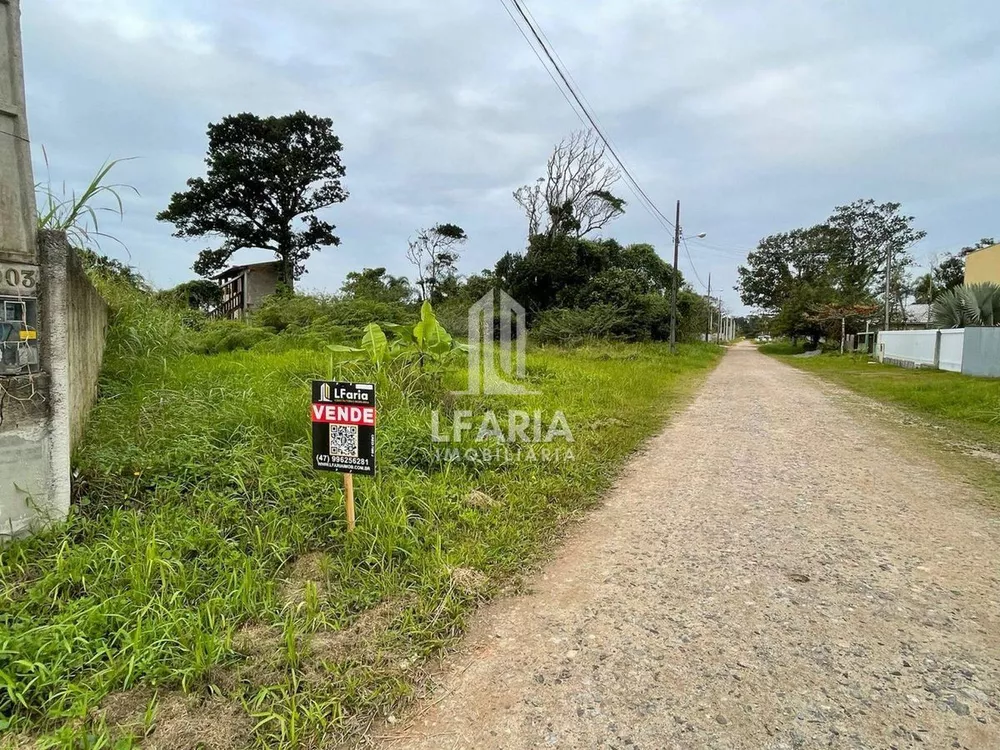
[{"x": 344, "y": 440}]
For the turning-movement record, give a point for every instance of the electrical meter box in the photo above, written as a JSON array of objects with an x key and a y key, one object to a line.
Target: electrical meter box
[
  {"x": 18, "y": 319},
  {"x": 18, "y": 336}
]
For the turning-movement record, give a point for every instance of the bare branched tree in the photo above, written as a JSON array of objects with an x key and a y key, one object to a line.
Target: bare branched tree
[
  {"x": 575, "y": 195},
  {"x": 434, "y": 253}
]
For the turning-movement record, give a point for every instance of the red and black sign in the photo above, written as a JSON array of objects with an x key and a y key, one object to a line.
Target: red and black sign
[{"x": 343, "y": 425}]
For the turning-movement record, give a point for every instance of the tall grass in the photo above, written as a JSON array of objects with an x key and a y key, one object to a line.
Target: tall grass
[
  {"x": 78, "y": 214},
  {"x": 205, "y": 556}
]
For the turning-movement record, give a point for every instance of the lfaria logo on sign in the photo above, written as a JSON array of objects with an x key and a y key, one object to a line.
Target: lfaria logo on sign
[
  {"x": 343, "y": 427},
  {"x": 497, "y": 341}
]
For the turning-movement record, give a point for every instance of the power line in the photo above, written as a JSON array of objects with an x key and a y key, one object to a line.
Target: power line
[
  {"x": 536, "y": 32},
  {"x": 687, "y": 251},
  {"x": 735, "y": 252},
  {"x": 565, "y": 67},
  {"x": 537, "y": 55}
]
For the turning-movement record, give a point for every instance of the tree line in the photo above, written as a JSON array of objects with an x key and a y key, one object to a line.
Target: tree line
[
  {"x": 268, "y": 177},
  {"x": 809, "y": 282}
]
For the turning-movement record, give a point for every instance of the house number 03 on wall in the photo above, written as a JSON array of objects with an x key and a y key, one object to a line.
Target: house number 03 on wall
[{"x": 20, "y": 277}]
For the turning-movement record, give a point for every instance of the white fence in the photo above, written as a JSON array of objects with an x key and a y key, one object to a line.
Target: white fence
[
  {"x": 971, "y": 351},
  {"x": 951, "y": 349},
  {"x": 909, "y": 348}
]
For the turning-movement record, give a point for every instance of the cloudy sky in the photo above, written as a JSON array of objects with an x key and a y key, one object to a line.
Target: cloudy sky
[{"x": 759, "y": 116}]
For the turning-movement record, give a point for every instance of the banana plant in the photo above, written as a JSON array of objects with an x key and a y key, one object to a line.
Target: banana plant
[{"x": 428, "y": 340}]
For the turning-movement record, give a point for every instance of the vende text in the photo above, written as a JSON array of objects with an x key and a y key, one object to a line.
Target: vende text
[{"x": 335, "y": 414}]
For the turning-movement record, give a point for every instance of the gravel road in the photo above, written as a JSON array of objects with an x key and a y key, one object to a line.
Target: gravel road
[{"x": 771, "y": 572}]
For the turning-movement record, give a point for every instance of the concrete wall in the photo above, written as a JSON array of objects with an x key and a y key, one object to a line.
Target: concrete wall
[
  {"x": 983, "y": 265},
  {"x": 43, "y": 413},
  {"x": 981, "y": 356},
  {"x": 951, "y": 349},
  {"x": 34, "y": 428},
  {"x": 970, "y": 351},
  {"x": 908, "y": 348},
  {"x": 261, "y": 282},
  {"x": 87, "y": 332}
]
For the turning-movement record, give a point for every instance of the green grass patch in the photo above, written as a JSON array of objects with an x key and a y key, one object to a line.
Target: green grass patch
[
  {"x": 205, "y": 582},
  {"x": 782, "y": 348},
  {"x": 971, "y": 406}
]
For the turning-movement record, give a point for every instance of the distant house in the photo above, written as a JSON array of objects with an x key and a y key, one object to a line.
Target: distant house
[
  {"x": 916, "y": 316},
  {"x": 244, "y": 287},
  {"x": 983, "y": 265}
]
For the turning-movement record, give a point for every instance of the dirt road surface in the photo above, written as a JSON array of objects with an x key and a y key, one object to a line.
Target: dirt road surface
[{"x": 773, "y": 572}]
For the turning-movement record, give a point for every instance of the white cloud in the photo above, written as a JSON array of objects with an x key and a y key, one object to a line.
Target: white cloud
[{"x": 134, "y": 21}]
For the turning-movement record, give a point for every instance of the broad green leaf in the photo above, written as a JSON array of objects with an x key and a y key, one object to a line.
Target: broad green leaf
[
  {"x": 404, "y": 332},
  {"x": 375, "y": 344}
]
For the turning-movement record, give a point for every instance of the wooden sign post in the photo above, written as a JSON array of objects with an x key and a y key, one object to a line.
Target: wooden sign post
[
  {"x": 349, "y": 497},
  {"x": 343, "y": 427}
]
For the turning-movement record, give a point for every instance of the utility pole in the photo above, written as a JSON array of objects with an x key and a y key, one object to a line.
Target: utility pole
[
  {"x": 711, "y": 312},
  {"x": 673, "y": 287},
  {"x": 888, "y": 281}
]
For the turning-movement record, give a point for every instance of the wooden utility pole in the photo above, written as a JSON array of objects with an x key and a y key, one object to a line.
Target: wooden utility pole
[
  {"x": 673, "y": 286},
  {"x": 708, "y": 330},
  {"x": 888, "y": 282}
]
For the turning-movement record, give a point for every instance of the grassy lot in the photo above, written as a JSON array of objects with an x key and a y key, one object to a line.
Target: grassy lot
[
  {"x": 782, "y": 347},
  {"x": 205, "y": 588},
  {"x": 971, "y": 406}
]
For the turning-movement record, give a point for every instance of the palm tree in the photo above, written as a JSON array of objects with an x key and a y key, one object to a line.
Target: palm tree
[
  {"x": 970, "y": 305},
  {"x": 923, "y": 289}
]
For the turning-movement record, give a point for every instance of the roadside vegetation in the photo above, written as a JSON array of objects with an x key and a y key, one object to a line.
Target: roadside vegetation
[
  {"x": 782, "y": 347},
  {"x": 205, "y": 558},
  {"x": 204, "y": 591}
]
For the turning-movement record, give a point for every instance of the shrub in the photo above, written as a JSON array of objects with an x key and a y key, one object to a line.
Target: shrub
[
  {"x": 219, "y": 336},
  {"x": 573, "y": 326},
  {"x": 968, "y": 305},
  {"x": 303, "y": 312}
]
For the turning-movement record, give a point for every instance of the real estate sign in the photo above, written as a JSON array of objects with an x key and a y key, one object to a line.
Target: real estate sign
[{"x": 343, "y": 427}]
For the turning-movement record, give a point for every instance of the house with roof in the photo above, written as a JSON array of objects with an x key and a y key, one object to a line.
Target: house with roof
[
  {"x": 917, "y": 316},
  {"x": 245, "y": 287}
]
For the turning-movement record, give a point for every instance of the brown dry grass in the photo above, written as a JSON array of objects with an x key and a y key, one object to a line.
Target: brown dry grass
[
  {"x": 311, "y": 566},
  {"x": 179, "y": 722}
]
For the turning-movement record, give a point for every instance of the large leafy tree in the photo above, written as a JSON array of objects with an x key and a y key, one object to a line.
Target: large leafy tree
[
  {"x": 869, "y": 234},
  {"x": 841, "y": 262},
  {"x": 782, "y": 262},
  {"x": 267, "y": 177},
  {"x": 375, "y": 284}
]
